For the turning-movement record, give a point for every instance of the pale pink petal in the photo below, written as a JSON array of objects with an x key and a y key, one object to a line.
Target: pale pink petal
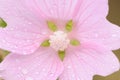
[
  {"x": 87, "y": 60},
  {"x": 56, "y": 9},
  {"x": 89, "y": 11},
  {"x": 44, "y": 64},
  {"x": 68, "y": 9},
  {"x": 26, "y": 28},
  {"x": 101, "y": 32}
]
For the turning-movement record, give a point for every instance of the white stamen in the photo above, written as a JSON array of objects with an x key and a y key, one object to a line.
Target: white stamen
[{"x": 59, "y": 40}]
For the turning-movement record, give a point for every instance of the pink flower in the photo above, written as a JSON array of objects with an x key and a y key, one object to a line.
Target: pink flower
[{"x": 78, "y": 27}]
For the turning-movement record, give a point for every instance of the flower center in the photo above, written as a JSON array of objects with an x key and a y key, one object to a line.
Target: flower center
[{"x": 59, "y": 41}]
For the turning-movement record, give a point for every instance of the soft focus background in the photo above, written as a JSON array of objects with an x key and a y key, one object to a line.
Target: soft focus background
[{"x": 114, "y": 17}]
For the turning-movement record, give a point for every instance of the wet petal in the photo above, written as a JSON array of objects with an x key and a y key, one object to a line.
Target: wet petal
[
  {"x": 89, "y": 11},
  {"x": 44, "y": 64},
  {"x": 60, "y": 9},
  {"x": 87, "y": 60},
  {"x": 102, "y": 32},
  {"x": 25, "y": 28}
]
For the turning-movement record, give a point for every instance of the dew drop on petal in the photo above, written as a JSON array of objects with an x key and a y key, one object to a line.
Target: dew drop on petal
[
  {"x": 44, "y": 32},
  {"x": 24, "y": 71},
  {"x": 114, "y": 35},
  {"x": 73, "y": 76},
  {"x": 68, "y": 67},
  {"x": 17, "y": 60},
  {"x": 37, "y": 73},
  {"x": 43, "y": 69},
  {"x": 96, "y": 35},
  {"x": 19, "y": 68},
  {"x": 29, "y": 78}
]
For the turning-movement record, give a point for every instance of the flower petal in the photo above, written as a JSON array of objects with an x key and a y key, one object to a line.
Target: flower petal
[
  {"x": 89, "y": 11},
  {"x": 60, "y": 9},
  {"x": 68, "y": 9},
  {"x": 44, "y": 64},
  {"x": 101, "y": 32},
  {"x": 25, "y": 27},
  {"x": 83, "y": 62}
]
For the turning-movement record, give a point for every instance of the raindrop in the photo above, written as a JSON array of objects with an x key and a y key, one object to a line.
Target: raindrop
[
  {"x": 19, "y": 68},
  {"x": 43, "y": 69},
  {"x": 24, "y": 71},
  {"x": 44, "y": 32},
  {"x": 114, "y": 35},
  {"x": 29, "y": 78},
  {"x": 69, "y": 67},
  {"x": 96, "y": 35},
  {"x": 29, "y": 23},
  {"x": 73, "y": 76},
  {"x": 37, "y": 73}
]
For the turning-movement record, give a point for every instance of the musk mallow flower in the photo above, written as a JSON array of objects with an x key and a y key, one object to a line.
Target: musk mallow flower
[{"x": 57, "y": 39}]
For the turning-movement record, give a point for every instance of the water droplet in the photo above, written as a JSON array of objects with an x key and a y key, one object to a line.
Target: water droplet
[
  {"x": 44, "y": 32},
  {"x": 24, "y": 71},
  {"x": 17, "y": 60},
  {"x": 114, "y": 35},
  {"x": 69, "y": 67},
  {"x": 29, "y": 23},
  {"x": 73, "y": 75},
  {"x": 43, "y": 69},
  {"x": 37, "y": 73},
  {"x": 25, "y": 53},
  {"x": 29, "y": 78},
  {"x": 19, "y": 68},
  {"x": 96, "y": 35}
]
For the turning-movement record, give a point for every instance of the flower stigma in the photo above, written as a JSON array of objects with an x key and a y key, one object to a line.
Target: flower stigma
[{"x": 59, "y": 41}]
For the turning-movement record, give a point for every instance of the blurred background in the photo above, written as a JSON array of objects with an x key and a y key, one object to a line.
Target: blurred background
[{"x": 113, "y": 17}]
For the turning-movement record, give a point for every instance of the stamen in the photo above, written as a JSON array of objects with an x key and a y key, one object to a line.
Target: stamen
[{"x": 59, "y": 41}]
